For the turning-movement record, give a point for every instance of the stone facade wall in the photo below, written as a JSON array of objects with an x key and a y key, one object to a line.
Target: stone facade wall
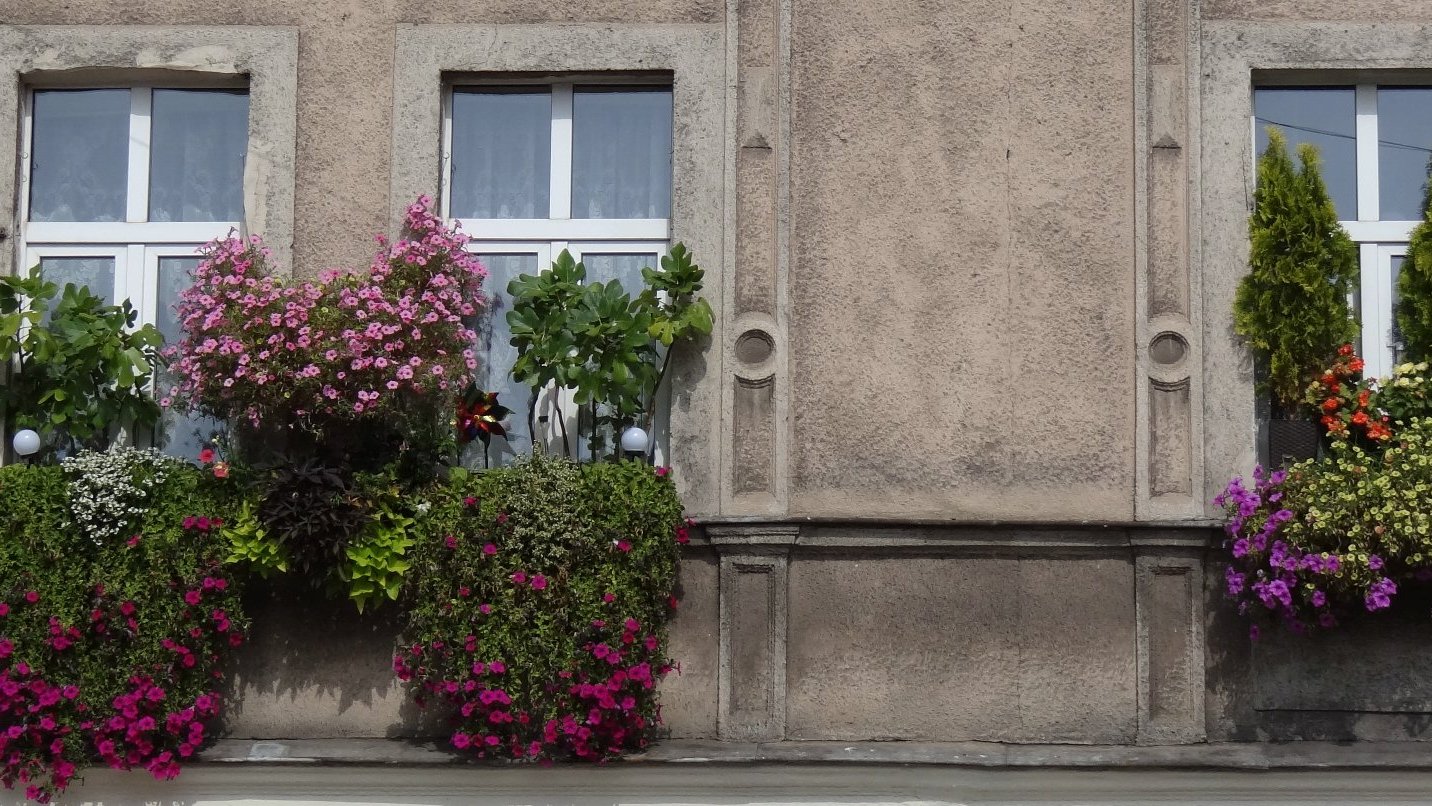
[{"x": 971, "y": 384}]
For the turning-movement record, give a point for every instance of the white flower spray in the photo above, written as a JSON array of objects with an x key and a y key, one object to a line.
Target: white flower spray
[{"x": 110, "y": 489}]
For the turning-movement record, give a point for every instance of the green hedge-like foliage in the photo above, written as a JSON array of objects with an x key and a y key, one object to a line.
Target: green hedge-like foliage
[
  {"x": 540, "y": 600},
  {"x": 109, "y": 650}
]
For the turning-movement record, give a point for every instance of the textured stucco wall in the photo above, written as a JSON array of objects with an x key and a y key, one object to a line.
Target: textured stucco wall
[
  {"x": 961, "y": 269},
  {"x": 345, "y": 76},
  {"x": 1318, "y": 10},
  {"x": 996, "y": 648},
  {"x": 960, "y": 224}
]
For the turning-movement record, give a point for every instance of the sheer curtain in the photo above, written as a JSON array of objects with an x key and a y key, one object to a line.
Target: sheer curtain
[
  {"x": 501, "y": 153},
  {"x": 621, "y": 152},
  {"x": 79, "y": 165},
  {"x": 196, "y": 165}
]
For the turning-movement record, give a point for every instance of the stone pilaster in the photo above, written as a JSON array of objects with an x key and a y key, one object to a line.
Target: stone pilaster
[
  {"x": 1170, "y": 398},
  {"x": 752, "y": 688},
  {"x": 757, "y": 390},
  {"x": 1168, "y": 596}
]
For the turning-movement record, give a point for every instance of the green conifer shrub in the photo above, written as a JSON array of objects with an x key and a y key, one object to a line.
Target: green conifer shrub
[
  {"x": 1292, "y": 306},
  {"x": 1414, "y": 286}
]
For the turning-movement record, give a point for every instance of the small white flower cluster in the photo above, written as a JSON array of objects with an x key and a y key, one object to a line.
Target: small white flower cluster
[{"x": 110, "y": 489}]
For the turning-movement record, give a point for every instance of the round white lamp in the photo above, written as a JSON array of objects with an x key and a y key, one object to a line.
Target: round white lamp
[
  {"x": 635, "y": 442},
  {"x": 26, "y": 442}
]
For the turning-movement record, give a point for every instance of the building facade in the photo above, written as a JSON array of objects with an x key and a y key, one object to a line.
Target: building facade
[{"x": 972, "y": 383}]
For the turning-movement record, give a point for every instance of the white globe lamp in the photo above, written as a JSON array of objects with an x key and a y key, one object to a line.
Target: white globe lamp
[
  {"x": 26, "y": 442},
  {"x": 635, "y": 442}
]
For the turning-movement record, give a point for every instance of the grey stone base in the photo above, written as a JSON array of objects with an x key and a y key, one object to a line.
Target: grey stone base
[{"x": 1212, "y": 756}]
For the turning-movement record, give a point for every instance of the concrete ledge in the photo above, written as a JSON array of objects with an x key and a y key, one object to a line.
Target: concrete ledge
[{"x": 1217, "y": 756}]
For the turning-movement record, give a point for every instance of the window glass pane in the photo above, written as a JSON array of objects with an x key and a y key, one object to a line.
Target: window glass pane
[
  {"x": 79, "y": 167},
  {"x": 621, "y": 152},
  {"x": 94, "y": 273},
  {"x": 623, "y": 268},
  {"x": 495, "y": 359},
  {"x": 178, "y": 433},
  {"x": 196, "y": 166},
  {"x": 1327, "y": 118},
  {"x": 1404, "y": 148},
  {"x": 501, "y": 153}
]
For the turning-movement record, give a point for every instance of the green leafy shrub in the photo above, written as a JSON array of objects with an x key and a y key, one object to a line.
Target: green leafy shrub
[
  {"x": 1292, "y": 306},
  {"x": 612, "y": 350},
  {"x": 81, "y": 367},
  {"x": 111, "y": 650},
  {"x": 539, "y": 605}
]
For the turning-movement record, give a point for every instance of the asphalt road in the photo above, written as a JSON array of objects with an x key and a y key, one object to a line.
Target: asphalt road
[{"x": 760, "y": 784}]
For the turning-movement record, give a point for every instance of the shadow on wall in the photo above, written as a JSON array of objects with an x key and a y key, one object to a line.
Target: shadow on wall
[
  {"x": 1368, "y": 680},
  {"x": 315, "y": 668}
]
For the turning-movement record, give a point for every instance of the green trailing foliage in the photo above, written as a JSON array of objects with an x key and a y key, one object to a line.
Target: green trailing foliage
[
  {"x": 376, "y": 561},
  {"x": 80, "y": 368},
  {"x": 1292, "y": 306},
  {"x": 539, "y": 605},
  {"x": 109, "y": 650}
]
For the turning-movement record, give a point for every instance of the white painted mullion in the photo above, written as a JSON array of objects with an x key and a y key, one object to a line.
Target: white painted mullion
[
  {"x": 27, "y": 136},
  {"x": 1372, "y": 312},
  {"x": 445, "y": 190},
  {"x": 1387, "y": 351},
  {"x": 143, "y": 271},
  {"x": 1379, "y": 231},
  {"x": 560, "y": 191},
  {"x": 1368, "y": 202},
  {"x": 140, "y": 108}
]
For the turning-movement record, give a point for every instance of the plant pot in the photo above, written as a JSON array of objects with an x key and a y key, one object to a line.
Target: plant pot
[{"x": 1291, "y": 441}]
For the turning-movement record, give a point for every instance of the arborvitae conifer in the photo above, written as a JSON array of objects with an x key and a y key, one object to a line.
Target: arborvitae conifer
[
  {"x": 1414, "y": 285},
  {"x": 1292, "y": 307}
]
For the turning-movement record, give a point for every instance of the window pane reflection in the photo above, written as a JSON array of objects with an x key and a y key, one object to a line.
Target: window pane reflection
[
  {"x": 1404, "y": 148},
  {"x": 496, "y": 356},
  {"x": 196, "y": 167},
  {"x": 1327, "y": 118},
  {"x": 178, "y": 433}
]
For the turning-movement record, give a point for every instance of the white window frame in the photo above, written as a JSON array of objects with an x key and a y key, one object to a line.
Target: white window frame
[
  {"x": 1378, "y": 241},
  {"x": 547, "y": 237},
  {"x": 136, "y": 244}
]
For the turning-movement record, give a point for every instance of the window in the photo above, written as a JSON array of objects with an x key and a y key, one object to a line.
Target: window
[
  {"x": 121, "y": 186},
  {"x": 1376, "y": 148},
  {"x": 532, "y": 169}
]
